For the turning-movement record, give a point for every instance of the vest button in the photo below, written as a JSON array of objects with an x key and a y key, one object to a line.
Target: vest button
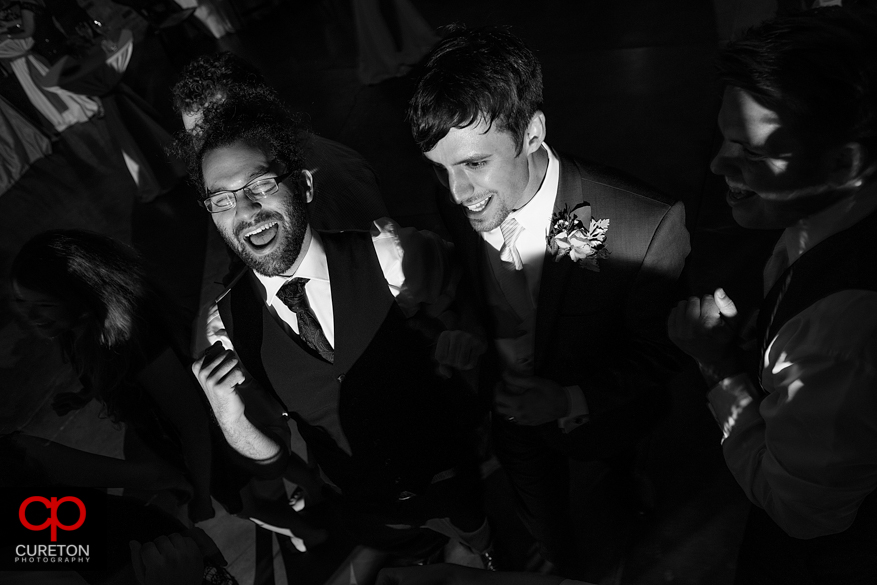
[{"x": 340, "y": 378}]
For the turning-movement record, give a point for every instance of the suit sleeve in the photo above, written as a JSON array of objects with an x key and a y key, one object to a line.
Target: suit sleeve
[{"x": 646, "y": 359}]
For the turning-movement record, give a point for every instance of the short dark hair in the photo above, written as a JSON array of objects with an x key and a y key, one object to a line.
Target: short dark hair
[
  {"x": 220, "y": 73},
  {"x": 820, "y": 65},
  {"x": 263, "y": 123},
  {"x": 486, "y": 73}
]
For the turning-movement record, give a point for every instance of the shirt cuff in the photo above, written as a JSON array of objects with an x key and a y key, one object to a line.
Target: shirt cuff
[
  {"x": 578, "y": 410},
  {"x": 727, "y": 400}
]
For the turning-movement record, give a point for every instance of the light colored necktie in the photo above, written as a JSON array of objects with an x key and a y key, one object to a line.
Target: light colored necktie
[{"x": 511, "y": 229}]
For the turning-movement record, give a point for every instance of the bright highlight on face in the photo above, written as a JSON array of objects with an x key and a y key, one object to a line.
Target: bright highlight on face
[
  {"x": 480, "y": 166},
  {"x": 777, "y": 171}
]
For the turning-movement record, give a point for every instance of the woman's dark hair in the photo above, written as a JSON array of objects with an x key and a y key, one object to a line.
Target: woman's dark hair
[
  {"x": 124, "y": 314},
  {"x": 471, "y": 75},
  {"x": 820, "y": 64}
]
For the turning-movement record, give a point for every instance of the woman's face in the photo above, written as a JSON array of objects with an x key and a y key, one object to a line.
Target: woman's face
[{"x": 48, "y": 314}]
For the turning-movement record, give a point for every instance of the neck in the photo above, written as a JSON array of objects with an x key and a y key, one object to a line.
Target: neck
[{"x": 537, "y": 164}]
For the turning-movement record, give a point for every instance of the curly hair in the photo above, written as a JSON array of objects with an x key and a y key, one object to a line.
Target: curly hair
[
  {"x": 262, "y": 122},
  {"x": 472, "y": 75},
  {"x": 820, "y": 64},
  {"x": 125, "y": 314},
  {"x": 210, "y": 77}
]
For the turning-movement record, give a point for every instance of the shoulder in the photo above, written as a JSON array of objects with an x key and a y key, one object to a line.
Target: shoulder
[{"x": 603, "y": 182}]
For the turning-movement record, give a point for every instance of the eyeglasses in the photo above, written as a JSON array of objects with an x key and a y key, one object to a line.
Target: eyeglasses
[{"x": 254, "y": 191}]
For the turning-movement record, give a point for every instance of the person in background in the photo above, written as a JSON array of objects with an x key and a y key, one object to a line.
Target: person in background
[
  {"x": 572, "y": 266},
  {"x": 799, "y": 418},
  {"x": 90, "y": 295}
]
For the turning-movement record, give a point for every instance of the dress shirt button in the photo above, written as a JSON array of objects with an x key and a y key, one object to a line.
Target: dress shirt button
[
  {"x": 284, "y": 415},
  {"x": 340, "y": 378}
]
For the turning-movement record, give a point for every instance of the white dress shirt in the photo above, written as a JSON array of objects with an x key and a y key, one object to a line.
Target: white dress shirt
[
  {"x": 535, "y": 220},
  {"x": 807, "y": 452},
  {"x": 430, "y": 281}
]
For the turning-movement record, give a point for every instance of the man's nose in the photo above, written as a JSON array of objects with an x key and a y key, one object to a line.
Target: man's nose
[
  {"x": 723, "y": 162},
  {"x": 460, "y": 186},
  {"x": 246, "y": 206}
]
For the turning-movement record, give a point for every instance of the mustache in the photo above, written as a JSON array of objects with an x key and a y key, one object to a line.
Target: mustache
[{"x": 260, "y": 217}]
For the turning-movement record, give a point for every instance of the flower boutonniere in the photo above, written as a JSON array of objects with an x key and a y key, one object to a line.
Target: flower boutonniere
[{"x": 576, "y": 234}]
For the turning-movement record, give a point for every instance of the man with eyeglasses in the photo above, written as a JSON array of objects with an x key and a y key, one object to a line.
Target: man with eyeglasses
[{"x": 327, "y": 329}]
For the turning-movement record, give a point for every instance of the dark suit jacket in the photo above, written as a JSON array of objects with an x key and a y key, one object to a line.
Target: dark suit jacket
[{"x": 604, "y": 331}]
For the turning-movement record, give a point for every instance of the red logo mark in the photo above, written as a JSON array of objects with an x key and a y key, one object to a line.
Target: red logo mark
[{"x": 52, "y": 506}]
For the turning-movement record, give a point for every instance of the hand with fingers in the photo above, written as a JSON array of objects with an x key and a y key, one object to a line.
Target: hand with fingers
[
  {"x": 706, "y": 329},
  {"x": 168, "y": 560},
  {"x": 530, "y": 400},
  {"x": 219, "y": 372},
  {"x": 458, "y": 350}
]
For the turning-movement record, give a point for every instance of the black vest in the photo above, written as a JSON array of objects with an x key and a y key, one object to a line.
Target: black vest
[
  {"x": 844, "y": 261},
  {"x": 404, "y": 424}
]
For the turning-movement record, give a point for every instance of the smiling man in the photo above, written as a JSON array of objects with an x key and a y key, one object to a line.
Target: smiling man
[
  {"x": 575, "y": 311},
  {"x": 799, "y": 120},
  {"x": 317, "y": 333}
]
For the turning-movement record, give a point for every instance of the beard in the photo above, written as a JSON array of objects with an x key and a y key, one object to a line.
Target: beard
[{"x": 293, "y": 224}]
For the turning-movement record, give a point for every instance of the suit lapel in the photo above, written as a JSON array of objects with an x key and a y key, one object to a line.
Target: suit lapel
[{"x": 556, "y": 274}]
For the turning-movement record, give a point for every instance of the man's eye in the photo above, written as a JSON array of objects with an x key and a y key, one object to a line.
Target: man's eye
[
  {"x": 476, "y": 164},
  {"x": 752, "y": 155}
]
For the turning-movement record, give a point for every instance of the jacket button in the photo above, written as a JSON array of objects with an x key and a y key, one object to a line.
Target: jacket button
[{"x": 340, "y": 378}]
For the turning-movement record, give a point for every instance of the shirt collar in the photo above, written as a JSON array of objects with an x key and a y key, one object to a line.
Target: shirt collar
[
  {"x": 313, "y": 267},
  {"x": 532, "y": 216}
]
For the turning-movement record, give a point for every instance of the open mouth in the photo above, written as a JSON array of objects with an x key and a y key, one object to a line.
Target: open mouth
[
  {"x": 262, "y": 237},
  {"x": 479, "y": 206},
  {"x": 736, "y": 194}
]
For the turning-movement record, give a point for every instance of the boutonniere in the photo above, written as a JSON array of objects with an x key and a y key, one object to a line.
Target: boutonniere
[{"x": 576, "y": 234}]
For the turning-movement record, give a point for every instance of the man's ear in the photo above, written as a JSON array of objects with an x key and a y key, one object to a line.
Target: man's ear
[
  {"x": 848, "y": 165},
  {"x": 535, "y": 134},
  {"x": 307, "y": 181}
]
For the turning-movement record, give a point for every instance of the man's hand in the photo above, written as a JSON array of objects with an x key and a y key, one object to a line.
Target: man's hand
[
  {"x": 458, "y": 350},
  {"x": 530, "y": 400},
  {"x": 219, "y": 372},
  {"x": 706, "y": 330},
  {"x": 174, "y": 560}
]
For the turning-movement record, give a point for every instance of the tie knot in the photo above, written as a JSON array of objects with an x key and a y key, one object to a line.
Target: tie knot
[
  {"x": 510, "y": 229},
  {"x": 292, "y": 293}
]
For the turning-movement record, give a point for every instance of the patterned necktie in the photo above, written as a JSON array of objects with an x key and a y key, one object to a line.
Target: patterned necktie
[
  {"x": 293, "y": 296},
  {"x": 511, "y": 229}
]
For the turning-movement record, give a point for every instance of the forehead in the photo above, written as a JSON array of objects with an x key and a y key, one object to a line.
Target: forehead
[
  {"x": 231, "y": 167},
  {"x": 474, "y": 140}
]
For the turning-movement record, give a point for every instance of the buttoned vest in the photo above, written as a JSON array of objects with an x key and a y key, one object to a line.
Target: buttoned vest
[{"x": 404, "y": 424}]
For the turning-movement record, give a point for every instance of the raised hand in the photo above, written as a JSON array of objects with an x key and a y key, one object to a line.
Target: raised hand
[
  {"x": 219, "y": 373},
  {"x": 706, "y": 329}
]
